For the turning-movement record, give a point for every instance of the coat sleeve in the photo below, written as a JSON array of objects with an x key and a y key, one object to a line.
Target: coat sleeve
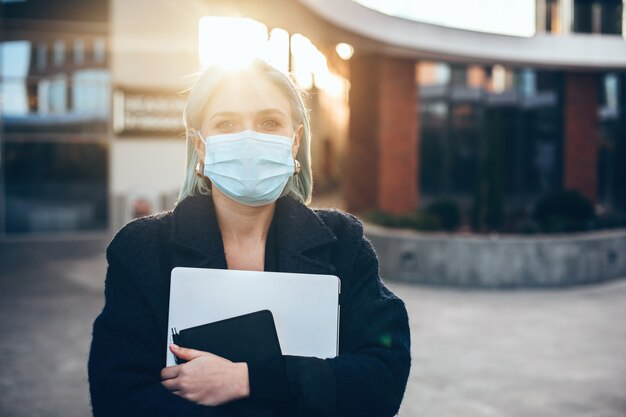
[
  {"x": 369, "y": 376},
  {"x": 374, "y": 360},
  {"x": 126, "y": 359}
]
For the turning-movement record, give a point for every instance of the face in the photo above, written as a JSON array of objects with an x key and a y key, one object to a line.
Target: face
[{"x": 248, "y": 104}]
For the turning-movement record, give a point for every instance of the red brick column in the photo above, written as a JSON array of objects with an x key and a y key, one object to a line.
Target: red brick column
[
  {"x": 361, "y": 180},
  {"x": 581, "y": 134},
  {"x": 383, "y": 140}
]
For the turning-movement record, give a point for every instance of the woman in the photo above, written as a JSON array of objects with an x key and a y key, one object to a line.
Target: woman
[{"x": 243, "y": 205}]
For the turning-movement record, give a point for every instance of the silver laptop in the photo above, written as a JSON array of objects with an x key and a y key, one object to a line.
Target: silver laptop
[{"x": 305, "y": 306}]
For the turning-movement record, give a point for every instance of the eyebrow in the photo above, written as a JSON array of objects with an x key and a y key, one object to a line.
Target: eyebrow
[{"x": 262, "y": 112}]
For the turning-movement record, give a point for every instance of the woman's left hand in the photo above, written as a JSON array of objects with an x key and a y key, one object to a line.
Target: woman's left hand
[{"x": 206, "y": 379}]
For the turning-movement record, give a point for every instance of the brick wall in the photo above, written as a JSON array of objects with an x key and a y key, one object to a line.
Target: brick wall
[
  {"x": 384, "y": 135},
  {"x": 581, "y": 133},
  {"x": 360, "y": 182},
  {"x": 397, "y": 133}
]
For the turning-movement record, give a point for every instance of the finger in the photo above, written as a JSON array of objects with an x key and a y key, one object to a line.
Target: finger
[
  {"x": 170, "y": 372},
  {"x": 171, "y": 384},
  {"x": 186, "y": 353}
]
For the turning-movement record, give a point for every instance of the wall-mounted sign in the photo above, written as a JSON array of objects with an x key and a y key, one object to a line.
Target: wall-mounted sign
[{"x": 147, "y": 113}]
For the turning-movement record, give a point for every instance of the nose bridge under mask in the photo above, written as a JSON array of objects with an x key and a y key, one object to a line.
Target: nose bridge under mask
[
  {"x": 247, "y": 134},
  {"x": 275, "y": 143}
]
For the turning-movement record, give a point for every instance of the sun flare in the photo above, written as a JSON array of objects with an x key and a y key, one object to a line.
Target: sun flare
[{"x": 231, "y": 42}]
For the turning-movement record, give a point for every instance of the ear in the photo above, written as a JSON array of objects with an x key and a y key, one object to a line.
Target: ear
[
  {"x": 197, "y": 143},
  {"x": 296, "y": 140}
]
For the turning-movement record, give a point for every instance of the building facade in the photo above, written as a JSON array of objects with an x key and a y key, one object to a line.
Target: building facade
[
  {"x": 492, "y": 116},
  {"x": 92, "y": 100},
  {"x": 55, "y": 85},
  {"x": 92, "y": 128}
]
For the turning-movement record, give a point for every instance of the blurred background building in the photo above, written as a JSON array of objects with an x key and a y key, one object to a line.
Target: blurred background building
[{"x": 404, "y": 111}]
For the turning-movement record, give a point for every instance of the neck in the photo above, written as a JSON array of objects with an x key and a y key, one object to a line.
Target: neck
[{"x": 241, "y": 223}]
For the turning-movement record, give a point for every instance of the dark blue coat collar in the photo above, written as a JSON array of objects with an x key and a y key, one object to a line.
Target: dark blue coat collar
[{"x": 197, "y": 240}]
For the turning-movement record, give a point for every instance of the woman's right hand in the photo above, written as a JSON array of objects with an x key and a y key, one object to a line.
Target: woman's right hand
[{"x": 206, "y": 378}]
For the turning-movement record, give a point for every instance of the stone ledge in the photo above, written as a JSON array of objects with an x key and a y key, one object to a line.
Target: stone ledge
[{"x": 499, "y": 260}]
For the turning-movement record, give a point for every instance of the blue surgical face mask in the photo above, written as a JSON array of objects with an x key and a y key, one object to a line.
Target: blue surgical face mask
[{"x": 251, "y": 168}]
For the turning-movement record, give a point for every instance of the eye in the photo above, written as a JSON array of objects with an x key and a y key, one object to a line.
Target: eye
[
  {"x": 270, "y": 123},
  {"x": 225, "y": 124}
]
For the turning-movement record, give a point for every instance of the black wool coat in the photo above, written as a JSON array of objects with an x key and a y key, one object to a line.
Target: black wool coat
[{"x": 127, "y": 353}]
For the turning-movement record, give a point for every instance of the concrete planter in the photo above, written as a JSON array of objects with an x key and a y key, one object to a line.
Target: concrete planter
[{"x": 501, "y": 260}]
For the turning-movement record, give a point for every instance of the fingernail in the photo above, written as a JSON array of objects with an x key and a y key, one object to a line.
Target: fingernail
[{"x": 172, "y": 345}]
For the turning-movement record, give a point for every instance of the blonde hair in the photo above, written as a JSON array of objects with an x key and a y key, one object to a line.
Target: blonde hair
[{"x": 298, "y": 186}]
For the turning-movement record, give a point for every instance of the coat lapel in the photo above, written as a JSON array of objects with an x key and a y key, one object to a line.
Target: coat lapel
[
  {"x": 304, "y": 240},
  {"x": 195, "y": 235}
]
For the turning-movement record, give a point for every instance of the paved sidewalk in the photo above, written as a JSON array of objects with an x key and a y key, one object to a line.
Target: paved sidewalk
[
  {"x": 548, "y": 353},
  {"x": 475, "y": 353}
]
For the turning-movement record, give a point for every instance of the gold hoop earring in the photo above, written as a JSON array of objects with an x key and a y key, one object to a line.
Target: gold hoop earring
[
  {"x": 296, "y": 171},
  {"x": 200, "y": 171},
  {"x": 200, "y": 174}
]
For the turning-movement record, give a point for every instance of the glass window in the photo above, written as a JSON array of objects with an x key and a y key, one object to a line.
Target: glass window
[
  {"x": 55, "y": 187},
  {"x": 58, "y": 94},
  {"x": 59, "y": 53},
  {"x": 99, "y": 50},
  {"x": 544, "y": 131},
  {"x": 14, "y": 97},
  {"x": 517, "y": 132},
  {"x": 54, "y": 119},
  {"x": 433, "y": 147},
  {"x": 459, "y": 75},
  {"x": 583, "y": 21},
  {"x": 612, "y": 150},
  {"x": 15, "y": 56},
  {"x": 15, "y": 59},
  {"x": 43, "y": 97},
  {"x": 610, "y": 92},
  {"x": 432, "y": 73},
  {"x": 90, "y": 92},
  {"x": 36, "y": 100},
  {"x": 535, "y": 159},
  {"x": 42, "y": 56},
  {"x": 528, "y": 82},
  {"x": 79, "y": 52},
  {"x": 476, "y": 76},
  {"x": 620, "y": 146},
  {"x": 66, "y": 10},
  {"x": 595, "y": 16},
  {"x": 502, "y": 79},
  {"x": 464, "y": 147},
  {"x": 612, "y": 17}
]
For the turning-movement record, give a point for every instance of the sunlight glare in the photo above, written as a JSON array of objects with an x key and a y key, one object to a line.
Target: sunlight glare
[
  {"x": 231, "y": 41},
  {"x": 344, "y": 50},
  {"x": 303, "y": 56},
  {"x": 279, "y": 49}
]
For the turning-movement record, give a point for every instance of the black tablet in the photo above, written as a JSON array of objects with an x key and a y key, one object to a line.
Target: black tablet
[{"x": 242, "y": 338}]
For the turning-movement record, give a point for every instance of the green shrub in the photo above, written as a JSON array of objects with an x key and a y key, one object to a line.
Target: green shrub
[
  {"x": 564, "y": 211},
  {"x": 448, "y": 213},
  {"x": 420, "y": 220}
]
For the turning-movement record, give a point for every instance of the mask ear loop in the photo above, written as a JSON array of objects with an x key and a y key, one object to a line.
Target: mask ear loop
[{"x": 197, "y": 133}]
